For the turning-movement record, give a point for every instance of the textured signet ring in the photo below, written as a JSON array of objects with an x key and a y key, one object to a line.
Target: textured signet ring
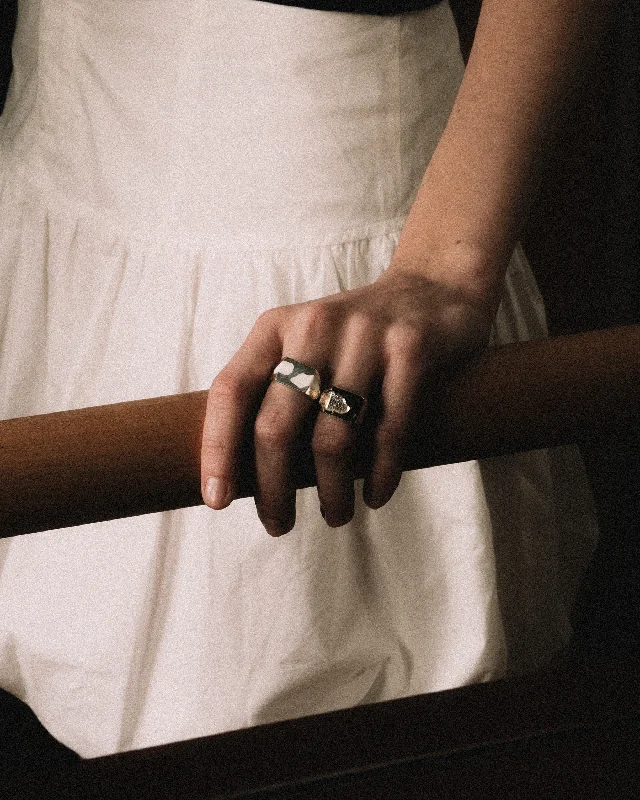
[
  {"x": 341, "y": 403},
  {"x": 298, "y": 376}
]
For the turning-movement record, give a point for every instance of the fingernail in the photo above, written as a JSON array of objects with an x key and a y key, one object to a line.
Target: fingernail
[{"x": 218, "y": 492}]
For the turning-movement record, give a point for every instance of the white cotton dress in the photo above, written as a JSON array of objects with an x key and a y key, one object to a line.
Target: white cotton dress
[{"x": 168, "y": 171}]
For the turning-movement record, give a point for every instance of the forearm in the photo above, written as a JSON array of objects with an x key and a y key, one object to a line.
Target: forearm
[{"x": 479, "y": 185}]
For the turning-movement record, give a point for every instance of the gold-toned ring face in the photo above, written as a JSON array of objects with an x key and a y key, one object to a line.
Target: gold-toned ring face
[{"x": 344, "y": 404}]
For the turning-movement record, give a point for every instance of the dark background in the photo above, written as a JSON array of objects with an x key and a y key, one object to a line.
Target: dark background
[{"x": 583, "y": 239}]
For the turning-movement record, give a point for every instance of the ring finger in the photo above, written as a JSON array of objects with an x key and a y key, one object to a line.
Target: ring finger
[{"x": 334, "y": 440}]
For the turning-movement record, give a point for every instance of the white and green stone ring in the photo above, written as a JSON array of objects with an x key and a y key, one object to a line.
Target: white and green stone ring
[
  {"x": 298, "y": 376},
  {"x": 341, "y": 403}
]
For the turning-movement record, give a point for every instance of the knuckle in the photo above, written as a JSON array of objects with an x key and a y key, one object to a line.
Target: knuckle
[
  {"x": 226, "y": 389},
  {"x": 314, "y": 320},
  {"x": 333, "y": 443},
  {"x": 265, "y": 321},
  {"x": 406, "y": 340},
  {"x": 361, "y": 325},
  {"x": 271, "y": 431},
  {"x": 390, "y": 436}
]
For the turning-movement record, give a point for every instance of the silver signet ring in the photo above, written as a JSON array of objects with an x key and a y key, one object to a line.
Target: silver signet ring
[{"x": 298, "y": 376}]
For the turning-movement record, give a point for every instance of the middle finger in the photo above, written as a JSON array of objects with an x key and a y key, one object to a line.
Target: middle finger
[{"x": 281, "y": 427}]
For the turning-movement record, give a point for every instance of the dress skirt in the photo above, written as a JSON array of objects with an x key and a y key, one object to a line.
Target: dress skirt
[{"x": 168, "y": 171}]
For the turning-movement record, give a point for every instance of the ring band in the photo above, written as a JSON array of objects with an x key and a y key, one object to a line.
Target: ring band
[
  {"x": 298, "y": 376},
  {"x": 341, "y": 403}
]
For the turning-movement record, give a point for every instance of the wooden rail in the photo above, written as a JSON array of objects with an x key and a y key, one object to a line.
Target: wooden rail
[
  {"x": 105, "y": 462},
  {"x": 572, "y": 731}
]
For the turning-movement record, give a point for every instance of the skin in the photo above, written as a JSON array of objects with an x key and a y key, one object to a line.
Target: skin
[{"x": 436, "y": 302}]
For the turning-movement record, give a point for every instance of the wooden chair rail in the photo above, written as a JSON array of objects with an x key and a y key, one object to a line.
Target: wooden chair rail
[
  {"x": 570, "y": 731},
  {"x": 106, "y": 462}
]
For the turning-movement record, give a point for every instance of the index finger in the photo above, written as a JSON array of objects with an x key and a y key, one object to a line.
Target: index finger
[{"x": 232, "y": 402}]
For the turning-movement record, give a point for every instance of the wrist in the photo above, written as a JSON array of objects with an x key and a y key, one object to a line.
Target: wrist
[{"x": 464, "y": 266}]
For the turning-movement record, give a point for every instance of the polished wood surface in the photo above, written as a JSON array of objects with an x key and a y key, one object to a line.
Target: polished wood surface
[{"x": 125, "y": 459}]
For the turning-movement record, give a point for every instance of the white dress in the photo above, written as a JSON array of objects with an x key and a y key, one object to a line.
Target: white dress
[{"x": 168, "y": 171}]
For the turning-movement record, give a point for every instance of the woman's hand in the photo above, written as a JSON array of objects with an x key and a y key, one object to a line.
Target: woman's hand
[
  {"x": 384, "y": 340},
  {"x": 431, "y": 307}
]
